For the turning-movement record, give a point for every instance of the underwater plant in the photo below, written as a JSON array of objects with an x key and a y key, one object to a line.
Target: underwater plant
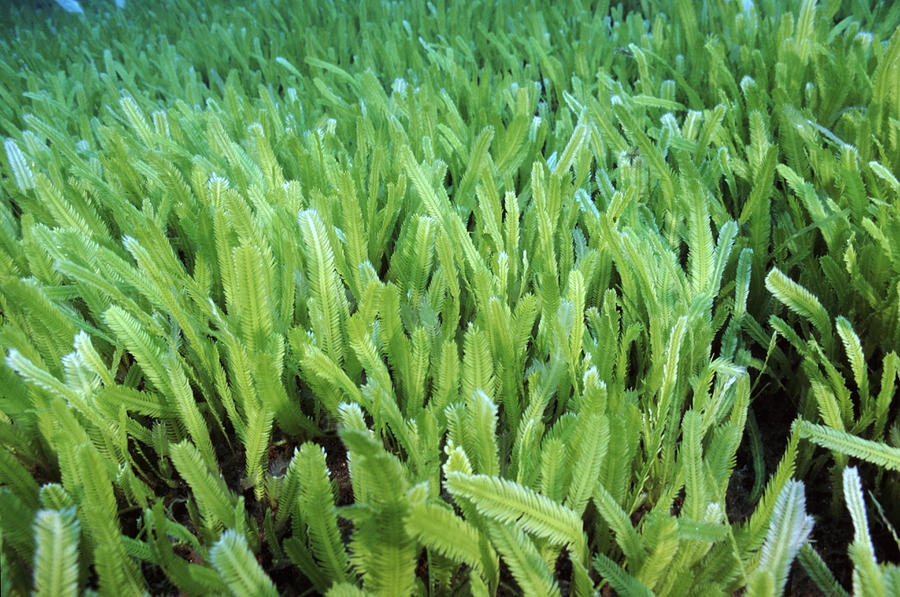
[{"x": 444, "y": 298}]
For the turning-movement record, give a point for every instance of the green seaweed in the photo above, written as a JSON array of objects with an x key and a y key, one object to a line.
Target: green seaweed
[{"x": 438, "y": 298}]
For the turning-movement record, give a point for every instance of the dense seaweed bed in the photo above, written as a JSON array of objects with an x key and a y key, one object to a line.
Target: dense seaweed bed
[{"x": 450, "y": 298}]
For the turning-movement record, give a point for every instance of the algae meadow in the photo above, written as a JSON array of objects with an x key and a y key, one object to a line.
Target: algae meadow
[{"x": 450, "y": 298}]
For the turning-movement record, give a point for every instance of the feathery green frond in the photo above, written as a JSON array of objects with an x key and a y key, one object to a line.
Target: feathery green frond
[
  {"x": 617, "y": 519},
  {"x": 238, "y": 568},
  {"x": 253, "y": 303},
  {"x": 788, "y": 530},
  {"x": 508, "y": 502},
  {"x": 868, "y": 578},
  {"x": 438, "y": 528},
  {"x": 327, "y": 301},
  {"x": 845, "y": 443},
  {"x": 139, "y": 343},
  {"x": 696, "y": 492},
  {"x": 624, "y": 583},
  {"x": 256, "y": 446},
  {"x": 315, "y": 507},
  {"x": 521, "y": 555},
  {"x": 818, "y": 571},
  {"x": 481, "y": 422},
  {"x": 800, "y": 301},
  {"x": 215, "y": 501},
  {"x": 57, "y": 535},
  {"x": 591, "y": 453},
  {"x": 856, "y": 357}
]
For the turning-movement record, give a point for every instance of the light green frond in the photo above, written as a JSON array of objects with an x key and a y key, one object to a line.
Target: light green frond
[
  {"x": 323, "y": 367},
  {"x": 253, "y": 302},
  {"x": 136, "y": 119},
  {"x": 742, "y": 282},
  {"x": 438, "y": 206},
  {"x": 287, "y": 493},
  {"x": 885, "y": 79},
  {"x": 845, "y": 443},
  {"x": 857, "y": 359},
  {"x": 511, "y": 229},
  {"x": 315, "y": 507},
  {"x": 21, "y": 170},
  {"x": 85, "y": 349},
  {"x": 324, "y": 285},
  {"x": 720, "y": 457},
  {"x": 886, "y": 175},
  {"x": 237, "y": 566},
  {"x": 439, "y": 529},
  {"x": 753, "y": 532},
  {"x": 889, "y": 370},
  {"x": 351, "y": 417},
  {"x": 701, "y": 252},
  {"x": 477, "y": 366},
  {"x": 446, "y": 378},
  {"x": 520, "y": 554},
  {"x": 57, "y": 534},
  {"x": 590, "y": 453},
  {"x": 188, "y": 411},
  {"x": 788, "y": 530},
  {"x": 139, "y": 343},
  {"x": 666, "y": 535},
  {"x": 55, "y": 497},
  {"x": 477, "y": 156},
  {"x": 380, "y": 474},
  {"x": 828, "y": 405},
  {"x": 382, "y": 551},
  {"x": 576, "y": 295},
  {"x": 617, "y": 519},
  {"x": 856, "y": 505},
  {"x": 117, "y": 571},
  {"x": 256, "y": 446},
  {"x": 64, "y": 213},
  {"x": 572, "y": 149},
  {"x": 37, "y": 376},
  {"x": 457, "y": 462},
  {"x": 215, "y": 502},
  {"x": 691, "y": 457},
  {"x": 508, "y": 502},
  {"x": 868, "y": 579},
  {"x": 648, "y": 150},
  {"x": 144, "y": 403},
  {"x": 762, "y": 584},
  {"x": 670, "y": 374},
  {"x": 554, "y": 469},
  {"x": 799, "y": 300},
  {"x": 525, "y": 314},
  {"x": 78, "y": 376},
  {"x": 481, "y": 421}
]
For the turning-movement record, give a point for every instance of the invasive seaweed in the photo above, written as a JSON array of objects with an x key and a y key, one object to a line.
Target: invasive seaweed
[{"x": 392, "y": 298}]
